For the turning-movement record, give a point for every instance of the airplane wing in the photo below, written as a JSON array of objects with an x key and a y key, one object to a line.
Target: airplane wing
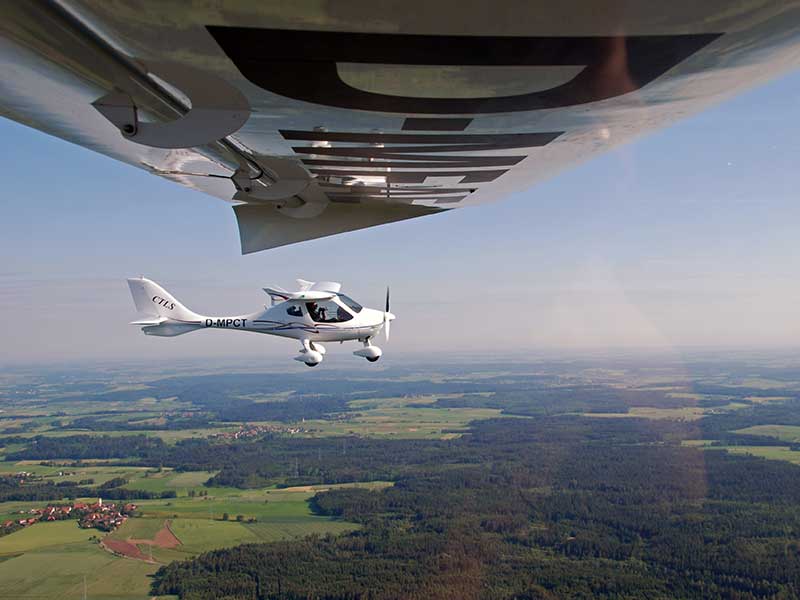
[
  {"x": 319, "y": 118},
  {"x": 312, "y": 292}
]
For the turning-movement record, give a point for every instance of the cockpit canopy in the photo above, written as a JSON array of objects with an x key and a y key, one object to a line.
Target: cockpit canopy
[
  {"x": 338, "y": 309},
  {"x": 351, "y": 304},
  {"x": 328, "y": 311}
]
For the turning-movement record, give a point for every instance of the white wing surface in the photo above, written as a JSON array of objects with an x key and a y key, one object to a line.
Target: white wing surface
[{"x": 319, "y": 118}]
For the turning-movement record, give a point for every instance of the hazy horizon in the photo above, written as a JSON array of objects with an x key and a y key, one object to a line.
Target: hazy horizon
[{"x": 788, "y": 357}]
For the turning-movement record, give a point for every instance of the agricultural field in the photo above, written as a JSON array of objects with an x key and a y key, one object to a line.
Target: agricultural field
[
  {"x": 783, "y": 453},
  {"x": 193, "y": 525},
  {"x": 785, "y": 433},
  {"x": 406, "y": 418},
  {"x": 67, "y": 555},
  {"x": 139, "y": 478},
  {"x": 690, "y": 413},
  {"x": 264, "y": 505},
  {"x": 687, "y": 413},
  {"x": 44, "y": 535},
  {"x": 61, "y": 571},
  {"x": 168, "y": 479}
]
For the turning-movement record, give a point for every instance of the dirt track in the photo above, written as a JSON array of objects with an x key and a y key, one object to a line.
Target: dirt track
[
  {"x": 123, "y": 548},
  {"x": 164, "y": 538}
]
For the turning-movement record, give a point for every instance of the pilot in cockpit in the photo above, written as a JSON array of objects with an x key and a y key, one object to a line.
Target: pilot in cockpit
[
  {"x": 313, "y": 311},
  {"x": 328, "y": 311}
]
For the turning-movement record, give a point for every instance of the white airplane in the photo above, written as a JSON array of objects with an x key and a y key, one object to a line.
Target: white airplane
[{"x": 318, "y": 312}]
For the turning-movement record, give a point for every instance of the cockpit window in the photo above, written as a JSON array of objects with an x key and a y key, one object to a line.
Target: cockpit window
[
  {"x": 294, "y": 311},
  {"x": 327, "y": 311},
  {"x": 354, "y": 306}
]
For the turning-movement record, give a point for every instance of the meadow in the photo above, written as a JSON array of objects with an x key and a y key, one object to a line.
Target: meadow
[
  {"x": 785, "y": 433},
  {"x": 783, "y": 453},
  {"x": 51, "y": 560},
  {"x": 67, "y": 553},
  {"x": 401, "y": 418}
]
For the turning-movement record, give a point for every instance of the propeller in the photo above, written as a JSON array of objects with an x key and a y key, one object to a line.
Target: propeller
[{"x": 386, "y": 320}]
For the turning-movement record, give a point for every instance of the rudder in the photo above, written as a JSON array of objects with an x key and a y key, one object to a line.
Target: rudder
[{"x": 153, "y": 300}]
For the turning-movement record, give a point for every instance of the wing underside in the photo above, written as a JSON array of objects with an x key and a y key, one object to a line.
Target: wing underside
[{"x": 325, "y": 118}]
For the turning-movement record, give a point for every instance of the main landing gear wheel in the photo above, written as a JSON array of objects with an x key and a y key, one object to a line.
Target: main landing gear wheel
[
  {"x": 370, "y": 352},
  {"x": 311, "y": 354}
]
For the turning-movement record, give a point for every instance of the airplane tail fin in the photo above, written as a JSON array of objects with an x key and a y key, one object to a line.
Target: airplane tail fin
[{"x": 161, "y": 312}]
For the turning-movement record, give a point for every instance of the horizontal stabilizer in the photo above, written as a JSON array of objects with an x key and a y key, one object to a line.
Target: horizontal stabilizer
[
  {"x": 262, "y": 226},
  {"x": 149, "y": 321},
  {"x": 170, "y": 329}
]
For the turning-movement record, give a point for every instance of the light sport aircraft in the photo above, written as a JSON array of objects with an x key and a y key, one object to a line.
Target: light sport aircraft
[
  {"x": 315, "y": 118},
  {"x": 317, "y": 312}
]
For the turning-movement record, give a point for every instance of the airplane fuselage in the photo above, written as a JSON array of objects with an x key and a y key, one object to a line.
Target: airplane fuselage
[{"x": 276, "y": 321}]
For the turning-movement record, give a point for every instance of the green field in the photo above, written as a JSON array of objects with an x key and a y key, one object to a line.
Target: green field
[
  {"x": 262, "y": 504},
  {"x": 44, "y": 535},
  {"x": 196, "y": 536},
  {"x": 686, "y": 413},
  {"x": 138, "y": 528},
  {"x": 168, "y": 479},
  {"x": 786, "y": 433},
  {"x": 67, "y": 553},
  {"x": 169, "y": 436},
  {"x": 140, "y": 478},
  {"x": 197, "y": 522},
  {"x": 199, "y": 535},
  {"x": 50, "y": 560},
  {"x": 689, "y": 413},
  {"x": 411, "y": 418},
  {"x": 100, "y": 473},
  {"x": 770, "y": 452},
  {"x": 58, "y": 572}
]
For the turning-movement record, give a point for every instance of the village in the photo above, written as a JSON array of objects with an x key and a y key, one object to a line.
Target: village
[
  {"x": 98, "y": 515},
  {"x": 252, "y": 431}
]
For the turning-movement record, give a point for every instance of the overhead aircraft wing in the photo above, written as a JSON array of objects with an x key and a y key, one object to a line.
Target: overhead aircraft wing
[
  {"x": 319, "y": 118},
  {"x": 310, "y": 295},
  {"x": 333, "y": 287}
]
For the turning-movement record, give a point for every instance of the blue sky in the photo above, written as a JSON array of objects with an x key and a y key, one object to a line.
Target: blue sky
[{"x": 685, "y": 238}]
